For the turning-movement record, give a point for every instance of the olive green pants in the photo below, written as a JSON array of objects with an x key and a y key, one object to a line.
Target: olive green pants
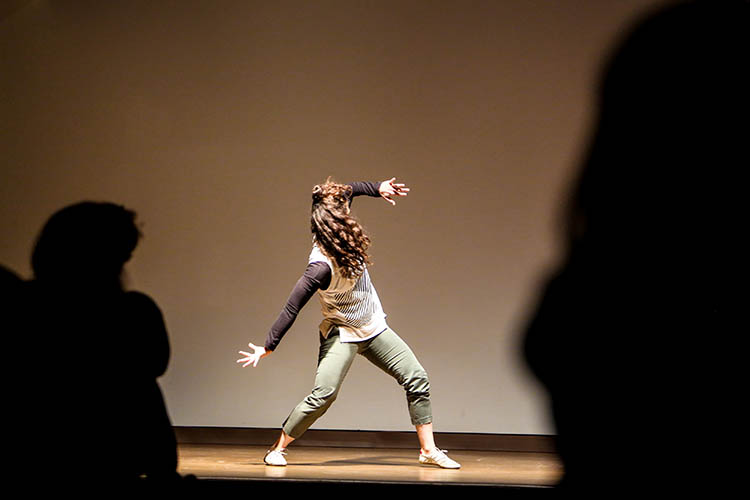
[{"x": 386, "y": 351}]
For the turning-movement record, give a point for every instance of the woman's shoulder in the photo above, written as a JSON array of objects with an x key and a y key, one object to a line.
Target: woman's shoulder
[{"x": 317, "y": 255}]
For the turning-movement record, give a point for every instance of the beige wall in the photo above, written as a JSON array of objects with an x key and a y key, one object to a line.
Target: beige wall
[{"x": 214, "y": 119}]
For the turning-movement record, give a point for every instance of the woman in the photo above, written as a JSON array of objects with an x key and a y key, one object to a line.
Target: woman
[{"x": 354, "y": 321}]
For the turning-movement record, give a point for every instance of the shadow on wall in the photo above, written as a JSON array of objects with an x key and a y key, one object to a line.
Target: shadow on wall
[
  {"x": 86, "y": 355},
  {"x": 633, "y": 335}
]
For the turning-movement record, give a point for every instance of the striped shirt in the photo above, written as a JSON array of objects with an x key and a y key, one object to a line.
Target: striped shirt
[{"x": 352, "y": 305}]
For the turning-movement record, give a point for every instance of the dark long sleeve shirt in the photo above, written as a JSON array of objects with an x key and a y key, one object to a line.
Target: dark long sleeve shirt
[{"x": 317, "y": 276}]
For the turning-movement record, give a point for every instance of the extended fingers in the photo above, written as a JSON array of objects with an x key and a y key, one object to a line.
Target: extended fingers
[
  {"x": 249, "y": 360},
  {"x": 400, "y": 189},
  {"x": 387, "y": 197},
  {"x": 390, "y": 188}
]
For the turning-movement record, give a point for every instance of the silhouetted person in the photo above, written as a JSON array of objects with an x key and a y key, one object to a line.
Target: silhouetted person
[
  {"x": 8, "y": 278},
  {"x": 93, "y": 352},
  {"x": 634, "y": 336},
  {"x": 10, "y": 288},
  {"x": 10, "y": 284}
]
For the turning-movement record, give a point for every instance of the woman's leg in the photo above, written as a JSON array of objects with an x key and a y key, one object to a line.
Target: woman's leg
[
  {"x": 283, "y": 441},
  {"x": 390, "y": 353},
  {"x": 334, "y": 360},
  {"x": 426, "y": 438}
]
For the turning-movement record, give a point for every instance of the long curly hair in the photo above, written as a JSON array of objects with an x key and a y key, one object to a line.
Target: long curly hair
[{"x": 340, "y": 236}]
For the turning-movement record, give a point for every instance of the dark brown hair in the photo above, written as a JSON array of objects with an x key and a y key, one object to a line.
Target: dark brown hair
[{"x": 338, "y": 234}]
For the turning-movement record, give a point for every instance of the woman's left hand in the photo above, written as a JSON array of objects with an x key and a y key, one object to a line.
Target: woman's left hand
[
  {"x": 252, "y": 358},
  {"x": 389, "y": 188}
]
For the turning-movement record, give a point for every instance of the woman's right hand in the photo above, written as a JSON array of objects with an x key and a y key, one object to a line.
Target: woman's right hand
[
  {"x": 388, "y": 189},
  {"x": 254, "y": 357}
]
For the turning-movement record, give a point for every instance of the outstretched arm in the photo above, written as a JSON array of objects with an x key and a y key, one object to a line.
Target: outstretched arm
[
  {"x": 316, "y": 276},
  {"x": 386, "y": 190}
]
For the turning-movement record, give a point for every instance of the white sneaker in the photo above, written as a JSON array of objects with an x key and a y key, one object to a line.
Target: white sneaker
[
  {"x": 274, "y": 457},
  {"x": 439, "y": 457}
]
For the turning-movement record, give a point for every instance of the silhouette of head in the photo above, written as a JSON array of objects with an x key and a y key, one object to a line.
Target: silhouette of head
[
  {"x": 643, "y": 301},
  {"x": 88, "y": 242},
  {"x": 668, "y": 144}
]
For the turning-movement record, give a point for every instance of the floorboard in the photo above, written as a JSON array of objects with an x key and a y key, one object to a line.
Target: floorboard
[{"x": 372, "y": 466}]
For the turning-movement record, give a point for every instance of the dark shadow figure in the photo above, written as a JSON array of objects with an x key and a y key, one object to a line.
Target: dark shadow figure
[
  {"x": 88, "y": 355},
  {"x": 635, "y": 335},
  {"x": 10, "y": 285}
]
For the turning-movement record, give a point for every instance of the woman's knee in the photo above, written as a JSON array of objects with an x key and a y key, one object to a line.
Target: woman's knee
[
  {"x": 418, "y": 383},
  {"x": 322, "y": 396}
]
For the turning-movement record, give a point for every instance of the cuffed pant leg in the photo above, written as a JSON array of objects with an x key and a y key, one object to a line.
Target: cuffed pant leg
[
  {"x": 334, "y": 360},
  {"x": 390, "y": 353}
]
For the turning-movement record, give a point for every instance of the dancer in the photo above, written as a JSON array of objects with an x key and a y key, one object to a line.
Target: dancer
[{"x": 353, "y": 320}]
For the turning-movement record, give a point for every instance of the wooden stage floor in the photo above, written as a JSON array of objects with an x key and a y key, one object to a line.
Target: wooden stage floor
[{"x": 374, "y": 466}]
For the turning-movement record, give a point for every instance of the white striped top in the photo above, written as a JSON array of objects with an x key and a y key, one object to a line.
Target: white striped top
[{"x": 352, "y": 305}]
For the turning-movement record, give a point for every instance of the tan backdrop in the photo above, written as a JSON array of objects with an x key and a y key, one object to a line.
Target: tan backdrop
[{"x": 213, "y": 120}]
